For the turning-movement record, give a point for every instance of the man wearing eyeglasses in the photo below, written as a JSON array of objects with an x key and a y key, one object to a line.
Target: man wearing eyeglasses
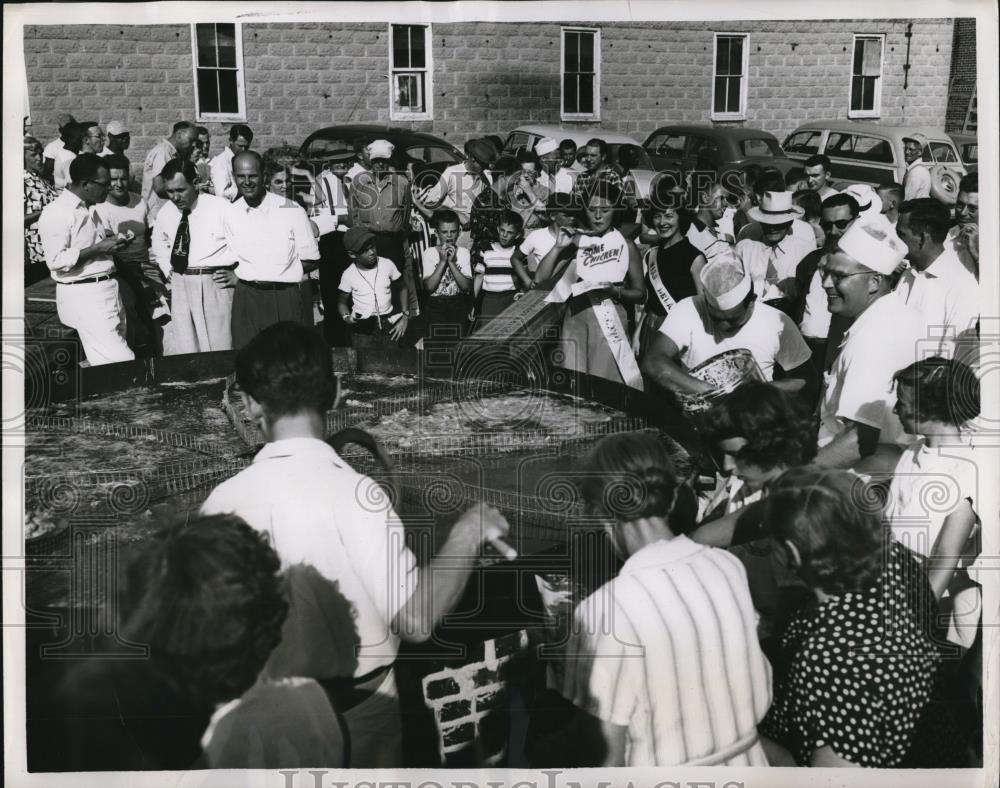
[
  {"x": 811, "y": 312},
  {"x": 858, "y": 428},
  {"x": 79, "y": 248}
]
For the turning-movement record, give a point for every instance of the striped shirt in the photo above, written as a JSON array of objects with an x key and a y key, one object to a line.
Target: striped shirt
[
  {"x": 668, "y": 650},
  {"x": 498, "y": 272}
]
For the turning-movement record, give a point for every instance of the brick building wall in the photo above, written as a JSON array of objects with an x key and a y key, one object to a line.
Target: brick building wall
[
  {"x": 963, "y": 74},
  {"x": 487, "y": 77}
]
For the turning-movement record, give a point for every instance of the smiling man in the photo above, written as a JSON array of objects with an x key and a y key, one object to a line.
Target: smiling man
[
  {"x": 963, "y": 238},
  {"x": 857, "y": 426},
  {"x": 189, "y": 244},
  {"x": 727, "y": 316}
]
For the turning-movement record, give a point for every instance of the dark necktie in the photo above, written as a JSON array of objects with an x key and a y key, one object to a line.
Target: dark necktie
[{"x": 182, "y": 245}]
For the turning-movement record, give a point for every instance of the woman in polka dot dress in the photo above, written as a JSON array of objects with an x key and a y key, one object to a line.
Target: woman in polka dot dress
[{"x": 860, "y": 659}]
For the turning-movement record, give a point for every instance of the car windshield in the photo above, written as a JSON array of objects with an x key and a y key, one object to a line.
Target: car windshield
[
  {"x": 433, "y": 154},
  {"x": 760, "y": 146}
]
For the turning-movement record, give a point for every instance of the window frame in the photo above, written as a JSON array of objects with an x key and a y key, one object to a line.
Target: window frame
[
  {"x": 427, "y": 70},
  {"x": 744, "y": 76},
  {"x": 876, "y": 111},
  {"x": 579, "y": 116},
  {"x": 241, "y": 98}
]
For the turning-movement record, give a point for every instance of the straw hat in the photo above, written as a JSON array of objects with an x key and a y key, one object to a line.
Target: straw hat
[{"x": 775, "y": 208}]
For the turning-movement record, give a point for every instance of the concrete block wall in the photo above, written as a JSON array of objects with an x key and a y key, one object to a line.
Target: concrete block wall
[
  {"x": 470, "y": 704},
  {"x": 487, "y": 79}
]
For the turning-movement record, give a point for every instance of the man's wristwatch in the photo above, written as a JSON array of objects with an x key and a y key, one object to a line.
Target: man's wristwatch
[{"x": 405, "y": 312}]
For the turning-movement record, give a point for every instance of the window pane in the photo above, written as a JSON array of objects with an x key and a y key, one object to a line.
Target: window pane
[
  {"x": 868, "y": 102},
  {"x": 735, "y": 55},
  {"x": 733, "y": 103},
  {"x": 587, "y": 93},
  {"x": 418, "y": 57},
  {"x": 208, "y": 91},
  {"x": 228, "y": 101},
  {"x": 226, "y": 35},
  {"x": 206, "y": 45},
  {"x": 571, "y": 101},
  {"x": 859, "y": 48},
  {"x": 757, "y": 147},
  {"x": 587, "y": 52},
  {"x": 856, "y": 93},
  {"x": 400, "y": 47},
  {"x": 571, "y": 62},
  {"x": 942, "y": 152},
  {"x": 722, "y": 57},
  {"x": 720, "y": 94},
  {"x": 871, "y": 63}
]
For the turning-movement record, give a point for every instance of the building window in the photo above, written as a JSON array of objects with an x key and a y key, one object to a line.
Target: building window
[
  {"x": 581, "y": 74},
  {"x": 411, "y": 71},
  {"x": 218, "y": 72},
  {"x": 866, "y": 77},
  {"x": 729, "y": 86}
]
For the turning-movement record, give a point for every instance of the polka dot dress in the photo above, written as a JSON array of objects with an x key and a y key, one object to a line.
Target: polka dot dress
[{"x": 861, "y": 667}]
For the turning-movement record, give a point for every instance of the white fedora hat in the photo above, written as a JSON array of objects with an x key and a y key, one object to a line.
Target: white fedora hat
[{"x": 775, "y": 208}]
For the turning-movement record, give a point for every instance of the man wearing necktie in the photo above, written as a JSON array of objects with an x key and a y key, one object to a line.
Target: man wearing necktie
[
  {"x": 332, "y": 216},
  {"x": 79, "y": 249},
  {"x": 189, "y": 245}
]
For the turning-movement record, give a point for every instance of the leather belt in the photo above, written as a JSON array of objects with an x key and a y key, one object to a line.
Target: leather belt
[
  {"x": 89, "y": 280},
  {"x": 204, "y": 271},
  {"x": 268, "y": 285}
]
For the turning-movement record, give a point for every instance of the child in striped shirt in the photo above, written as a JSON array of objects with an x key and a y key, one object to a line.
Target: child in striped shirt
[{"x": 494, "y": 284}]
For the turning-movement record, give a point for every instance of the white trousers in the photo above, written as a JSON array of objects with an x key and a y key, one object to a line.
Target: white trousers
[
  {"x": 200, "y": 313},
  {"x": 95, "y": 310}
]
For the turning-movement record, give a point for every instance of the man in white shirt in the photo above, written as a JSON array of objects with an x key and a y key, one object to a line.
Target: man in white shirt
[
  {"x": 936, "y": 284},
  {"x": 189, "y": 245},
  {"x": 331, "y": 215},
  {"x": 727, "y": 316},
  {"x": 78, "y": 252},
  {"x": 119, "y": 137},
  {"x": 355, "y": 587},
  {"x": 869, "y": 207},
  {"x": 274, "y": 243},
  {"x": 817, "y": 175},
  {"x": 711, "y": 230},
  {"x": 771, "y": 261},
  {"x": 66, "y": 123},
  {"x": 555, "y": 177},
  {"x": 917, "y": 181},
  {"x": 858, "y": 428},
  {"x": 178, "y": 145},
  {"x": 963, "y": 238},
  {"x": 221, "y": 166},
  {"x": 460, "y": 184},
  {"x": 140, "y": 282}
]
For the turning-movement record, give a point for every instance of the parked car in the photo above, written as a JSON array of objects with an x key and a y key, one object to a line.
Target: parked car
[
  {"x": 429, "y": 155},
  {"x": 714, "y": 148},
  {"x": 868, "y": 152},
  {"x": 968, "y": 150},
  {"x": 527, "y": 136}
]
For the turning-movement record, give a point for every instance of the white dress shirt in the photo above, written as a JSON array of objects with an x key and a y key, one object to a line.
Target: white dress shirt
[
  {"x": 208, "y": 235},
  {"x": 334, "y": 204},
  {"x": 65, "y": 228},
  {"x": 269, "y": 241},
  {"x": 221, "y": 169},
  {"x": 884, "y": 339},
  {"x": 916, "y": 181},
  {"x": 60, "y": 172},
  {"x": 785, "y": 255},
  {"x": 945, "y": 294},
  {"x": 457, "y": 189},
  {"x": 52, "y": 149}
]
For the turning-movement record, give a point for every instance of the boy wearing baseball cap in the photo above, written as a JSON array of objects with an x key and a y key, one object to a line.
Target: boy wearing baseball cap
[{"x": 365, "y": 299}]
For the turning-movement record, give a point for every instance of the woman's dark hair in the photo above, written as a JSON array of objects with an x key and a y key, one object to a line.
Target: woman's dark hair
[
  {"x": 288, "y": 369},
  {"x": 684, "y": 217},
  {"x": 776, "y": 429},
  {"x": 604, "y": 190},
  {"x": 945, "y": 390},
  {"x": 207, "y": 599},
  {"x": 630, "y": 475},
  {"x": 834, "y": 523}
]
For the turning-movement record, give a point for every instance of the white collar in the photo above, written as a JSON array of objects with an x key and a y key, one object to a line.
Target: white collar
[
  {"x": 660, "y": 552},
  {"x": 298, "y": 447}
]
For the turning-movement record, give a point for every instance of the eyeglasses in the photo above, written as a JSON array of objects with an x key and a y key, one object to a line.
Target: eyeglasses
[
  {"x": 840, "y": 224},
  {"x": 836, "y": 277},
  {"x": 102, "y": 184}
]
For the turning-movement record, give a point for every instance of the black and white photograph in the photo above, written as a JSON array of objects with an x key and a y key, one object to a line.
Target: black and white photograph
[{"x": 558, "y": 394}]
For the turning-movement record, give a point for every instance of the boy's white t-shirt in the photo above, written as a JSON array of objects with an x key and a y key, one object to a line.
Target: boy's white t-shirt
[
  {"x": 536, "y": 245},
  {"x": 371, "y": 290},
  {"x": 447, "y": 286}
]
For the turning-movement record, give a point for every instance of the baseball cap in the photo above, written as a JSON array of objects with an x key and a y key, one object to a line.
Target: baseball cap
[
  {"x": 116, "y": 128},
  {"x": 357, "y": 238}
]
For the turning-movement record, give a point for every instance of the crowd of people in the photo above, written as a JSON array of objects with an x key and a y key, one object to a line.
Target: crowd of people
[{"x": 809, "y": 610}]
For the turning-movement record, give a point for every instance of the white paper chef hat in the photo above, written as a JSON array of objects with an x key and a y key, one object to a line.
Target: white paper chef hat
[
  {"x": 880, "y": 251},
  {"x": 726, "y": 283}
]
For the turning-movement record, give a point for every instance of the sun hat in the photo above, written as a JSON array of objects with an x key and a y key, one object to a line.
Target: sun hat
[{"x": 775, "y": 208}]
